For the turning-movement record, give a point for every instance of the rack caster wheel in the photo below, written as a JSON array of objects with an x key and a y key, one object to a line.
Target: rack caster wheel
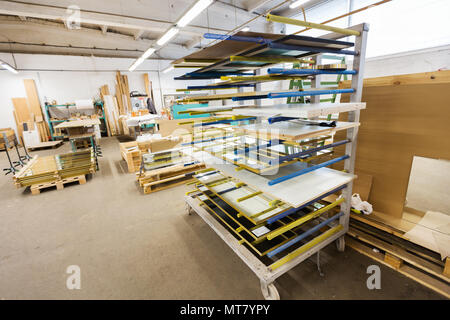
[
  {"x": 340, "y": 244},
  {"x": 269, "y": 291},
  {"x": 188, "y": 209}
]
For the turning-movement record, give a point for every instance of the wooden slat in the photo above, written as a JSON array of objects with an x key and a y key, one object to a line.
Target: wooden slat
[{"x": 425, "y": 280}]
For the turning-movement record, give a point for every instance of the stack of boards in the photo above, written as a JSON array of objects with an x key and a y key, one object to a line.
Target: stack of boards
[
  {"x": 28, "y": 112},
  {"x": 166, "y": 169},
  {"x": 247, "y": 213},
  {"x": 43, "y": 172}
]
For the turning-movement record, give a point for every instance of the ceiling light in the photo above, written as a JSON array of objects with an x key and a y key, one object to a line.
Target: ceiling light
[
  {"x": 297, "y": 4},
  {"x": 170, "y": 68},
  {"x": 194, "y": 11},
  {"x": 136, "y": 63},
  {"x": 245, "y": 29},
  {"x": 8, "y": 67},
  {"x": 167, "y": 36},
  {"x": 148, "y": 53}
]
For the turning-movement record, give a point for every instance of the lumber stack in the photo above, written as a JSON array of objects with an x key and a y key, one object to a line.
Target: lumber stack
[
  {"x": 168, "y": 177},
  {"x": 28, "y": 113},
  {"x": 123, "y": 94},
  {"x": 110, "y": 107},
  {"x": 54, "y": 169}
]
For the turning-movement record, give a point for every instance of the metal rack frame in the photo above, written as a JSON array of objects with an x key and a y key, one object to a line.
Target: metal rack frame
[{"x": 268, "y": 274}]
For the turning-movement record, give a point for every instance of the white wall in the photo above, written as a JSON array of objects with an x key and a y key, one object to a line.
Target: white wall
[
  {"x": 69, "y": 78},
  {"x": 87, "y": 74}
]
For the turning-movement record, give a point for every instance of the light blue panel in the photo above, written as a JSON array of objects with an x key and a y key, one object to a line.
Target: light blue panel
[{"x": 182, "y": 107}]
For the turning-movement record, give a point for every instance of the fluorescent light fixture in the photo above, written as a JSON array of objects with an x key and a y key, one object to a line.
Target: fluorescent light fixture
[
  {"x": 245, "y": 29},
  {"x": 194, "y": 11},
  {"x": 297, "y": 4},
  {"x": 8, "y": 67},
  {"x": 142, "y": 58},
  {"x": 136, "y": 63},
  {"x": 168, "y": 69},
  {"x": 148, "y": 53},
  {"x": 167, "y": 36}
]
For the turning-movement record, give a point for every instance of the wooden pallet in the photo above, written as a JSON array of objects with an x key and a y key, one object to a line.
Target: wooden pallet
[
  {"x": 132, "y": 155},
  {"x": 432, "y": 275},
  {"x": 59, "y": 184},
  {"x": 166, "y": 183},
  {"x": 46, "y": 145}
]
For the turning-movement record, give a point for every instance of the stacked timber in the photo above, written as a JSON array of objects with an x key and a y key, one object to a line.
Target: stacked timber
[
  {"x": 168, "y": 177},
  {"x": 28, "y": 113},
  {"x": 55, "y": 170}
]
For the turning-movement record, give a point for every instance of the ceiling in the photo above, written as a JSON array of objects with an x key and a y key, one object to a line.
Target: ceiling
[{"x": 123, "y": 28}]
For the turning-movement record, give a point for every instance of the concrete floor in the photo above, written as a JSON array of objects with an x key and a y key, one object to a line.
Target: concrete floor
[{"x": 134, "y": 246}]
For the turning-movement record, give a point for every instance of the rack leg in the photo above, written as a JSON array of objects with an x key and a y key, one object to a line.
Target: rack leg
[
  {"x": 269, "y": 291},
  {"x": 340, "y": 244},
  {"x": 188, "y": 209}
]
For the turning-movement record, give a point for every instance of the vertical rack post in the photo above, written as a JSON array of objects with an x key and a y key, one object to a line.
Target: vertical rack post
[{"x": 353, "y": 116}]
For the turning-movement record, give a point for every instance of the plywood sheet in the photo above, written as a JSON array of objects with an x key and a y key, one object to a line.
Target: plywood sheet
[
  {"x": 406, "y": 116},
  {"x": 295, "y": 191},
  {"x": 78, "y": 123},
  {"x": 21, "y": 109},
  {"x": 32, "y": 97}
]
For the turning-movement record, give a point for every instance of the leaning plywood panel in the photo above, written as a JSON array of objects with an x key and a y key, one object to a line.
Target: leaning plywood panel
[{"x": 406, "y": 116}]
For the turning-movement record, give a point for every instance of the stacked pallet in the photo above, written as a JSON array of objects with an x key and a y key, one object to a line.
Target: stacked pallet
[
  {"x": 56, "y": 170},
  {"x": 391, "y": 248},
  {"x": 132, "y": 155},
  {"x": 168, "y": 177}
]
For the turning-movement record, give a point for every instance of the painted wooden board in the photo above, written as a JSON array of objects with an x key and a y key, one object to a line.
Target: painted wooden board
[
  {"x": 295, "y": 191},
  {"x": 289, "y": 130},
  {"x": 299, "y": 110}
]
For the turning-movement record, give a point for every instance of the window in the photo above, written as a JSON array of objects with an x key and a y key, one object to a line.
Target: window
[{"x": 396, "y": 26}]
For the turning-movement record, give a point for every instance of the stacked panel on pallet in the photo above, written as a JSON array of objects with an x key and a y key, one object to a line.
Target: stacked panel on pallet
[
  {"x": 55, "y": 168},
  {"x": 267, "y": 187}
]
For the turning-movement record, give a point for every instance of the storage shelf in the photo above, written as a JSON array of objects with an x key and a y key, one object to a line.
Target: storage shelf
[{"x": 296, "y": 191}]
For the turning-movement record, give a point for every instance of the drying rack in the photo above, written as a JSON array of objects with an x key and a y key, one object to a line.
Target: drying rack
[{"x": 316, "y": 176}]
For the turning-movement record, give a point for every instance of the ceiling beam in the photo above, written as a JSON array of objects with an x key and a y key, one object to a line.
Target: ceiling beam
[
  {"x": 138, "y": 34},
  {"x": 101, "y": 19},
  {"x": 285, "y": 11},
  {"x": 252, "y": 5},
  {"x": 54, "y": 38}
]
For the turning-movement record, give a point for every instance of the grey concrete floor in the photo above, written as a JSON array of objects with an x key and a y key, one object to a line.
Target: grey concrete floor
[{"x": 135, "y": 246}]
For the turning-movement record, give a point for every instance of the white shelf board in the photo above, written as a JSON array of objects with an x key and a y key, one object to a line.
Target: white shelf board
[
  {"x": 299, "y": 110},
  {"x": 290, "y": 130},
  {"x": 295, "y": 192}
]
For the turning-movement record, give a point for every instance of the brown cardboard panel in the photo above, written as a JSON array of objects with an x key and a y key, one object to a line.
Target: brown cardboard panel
[{"x": 403, "y": 119}]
